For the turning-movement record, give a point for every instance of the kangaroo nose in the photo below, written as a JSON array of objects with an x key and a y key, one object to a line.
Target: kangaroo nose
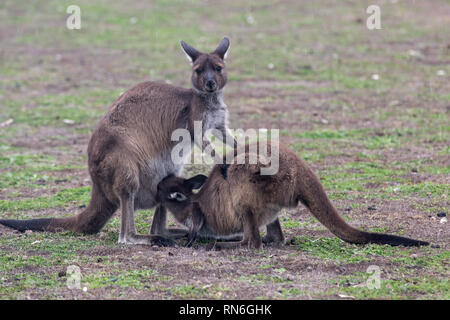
[{"x": 210, "y": 85}]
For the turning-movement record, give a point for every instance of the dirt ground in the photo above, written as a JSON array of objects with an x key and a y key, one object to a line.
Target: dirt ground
[{"x": 367, "y": 109}]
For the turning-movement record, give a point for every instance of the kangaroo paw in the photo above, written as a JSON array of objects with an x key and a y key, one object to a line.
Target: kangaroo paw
[
  {"x": 272, "y": 241},
  {"x": 163, "y": 242},
  {"x": 176, "y": 233},
  {"x": 231, "y": 244}
]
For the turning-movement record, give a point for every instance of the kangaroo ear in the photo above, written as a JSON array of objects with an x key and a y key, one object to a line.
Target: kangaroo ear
[
  {"x": 224, "y": 170},
  {"x": 195, "y": 182},
  {"x": 191, "y": 53},
  {"x": 223, "y": 47}
]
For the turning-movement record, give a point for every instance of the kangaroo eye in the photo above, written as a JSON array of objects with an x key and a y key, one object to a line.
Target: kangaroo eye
[
  {"x": 218, "y": 68},
  {"x": 181, "y": 197},
  {"x": 177, "y": 196},
  {"x": 198, "y": 71}
]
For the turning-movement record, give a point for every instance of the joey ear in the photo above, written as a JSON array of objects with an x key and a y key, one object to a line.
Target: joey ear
[
  {"x": 195, "y": 182},
  {"x": 191, "y": 53},
  {"x": 223, "y": 47}
]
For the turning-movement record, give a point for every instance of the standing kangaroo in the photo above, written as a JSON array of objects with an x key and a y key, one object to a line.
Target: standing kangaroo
[
  {"x": 237, "y": 199},
  {"x": 129, "y": 152}
]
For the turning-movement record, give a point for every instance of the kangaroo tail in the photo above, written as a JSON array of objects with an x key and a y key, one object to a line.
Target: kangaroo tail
[
  {"x": 32, "y": 224},
  {"x": 90, "y": 221},
  {"x": 313, "y": 196}
]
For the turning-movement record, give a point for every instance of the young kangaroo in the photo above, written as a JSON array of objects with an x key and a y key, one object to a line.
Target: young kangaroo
[
  {"x": 129, "y": 152},
  {"x": 237, "y": 199}
]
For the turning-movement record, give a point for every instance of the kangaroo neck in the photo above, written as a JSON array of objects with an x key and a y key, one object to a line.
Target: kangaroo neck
[{"x": 209, "y": 101}]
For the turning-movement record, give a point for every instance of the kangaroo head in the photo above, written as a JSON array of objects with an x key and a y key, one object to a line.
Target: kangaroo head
[
  {"x": 176, "y": 193},
  {"x": 208, "y": 69}
]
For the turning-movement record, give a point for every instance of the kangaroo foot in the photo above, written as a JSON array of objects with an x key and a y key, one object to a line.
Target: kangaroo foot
[
  {"x": 152, "y": 240},
  {"x": 237, "y": 244},
  {"x": 163, "y": 242},
  {"x": 175, "y": 233},
  {"x": 272, "y": 241}
]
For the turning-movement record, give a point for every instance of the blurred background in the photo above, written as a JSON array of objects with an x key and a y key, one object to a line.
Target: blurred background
[{"x": 299, "y": 45}]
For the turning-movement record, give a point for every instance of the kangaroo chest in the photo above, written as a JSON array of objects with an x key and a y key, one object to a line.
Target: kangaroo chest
[{"x": 215, "y": 113}]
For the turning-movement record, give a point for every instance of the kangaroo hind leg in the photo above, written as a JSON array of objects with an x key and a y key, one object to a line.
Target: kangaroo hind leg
[
  {"x": 251, "y": 237},
  {"x": 126, "y": 191},
  {"x": 274, "y": 234}
]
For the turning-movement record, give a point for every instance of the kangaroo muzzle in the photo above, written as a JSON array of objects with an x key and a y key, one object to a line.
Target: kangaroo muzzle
[{"x": 210, "y": 85}]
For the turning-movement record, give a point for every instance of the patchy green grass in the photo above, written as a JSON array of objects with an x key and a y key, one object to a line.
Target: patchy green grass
[
  {"x": 35, "y": 163},
  {"x": 264, "y": 278},
  {"x": 406, "y": 287},
  {"x": 338, "y": 250},
  {"x": 290, "y": 223},
  {"x": 64, "y": 198},
  {"x": 60, "y": 245},
  {"x": 82, "y": 107},
  {"x": 423, "y": 189},
  {"x": 372, "y": 140},
  {"x": 292, "y": 293},
  {"x": 137, "y": 279},
  {"x": 18, "y": 160},
  {"x": 30, "y": 281}
]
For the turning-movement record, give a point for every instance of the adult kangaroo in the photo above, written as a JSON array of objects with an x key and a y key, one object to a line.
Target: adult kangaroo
[
  {"x": 237, "y": 199},
  {"x": 129, "y": 152}
]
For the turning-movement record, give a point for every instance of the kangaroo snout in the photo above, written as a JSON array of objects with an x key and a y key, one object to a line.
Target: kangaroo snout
[{"x": 210, "y": 85}]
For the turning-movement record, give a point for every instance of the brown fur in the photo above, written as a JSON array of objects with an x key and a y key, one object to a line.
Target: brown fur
[
  {"x": 129, "y": 151},
  {"x": 238, "y": 199}
]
